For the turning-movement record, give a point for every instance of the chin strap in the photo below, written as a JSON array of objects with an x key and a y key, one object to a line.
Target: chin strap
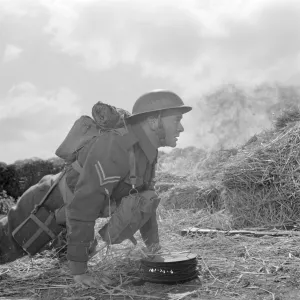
[{"x": 160, "y": 131}]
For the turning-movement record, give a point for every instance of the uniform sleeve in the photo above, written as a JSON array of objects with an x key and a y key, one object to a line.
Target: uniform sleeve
[
  {"x": 104, "y": 167},
  {"x": 152, "y": 182},
  {"x": 149, "y": 231}
]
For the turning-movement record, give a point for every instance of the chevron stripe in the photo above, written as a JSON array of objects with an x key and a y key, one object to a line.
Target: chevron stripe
[{"x": 103, "y": 179}]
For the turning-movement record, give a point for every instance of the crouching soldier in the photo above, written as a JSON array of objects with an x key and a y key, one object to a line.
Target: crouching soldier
[{"x": 112, "y": 175}]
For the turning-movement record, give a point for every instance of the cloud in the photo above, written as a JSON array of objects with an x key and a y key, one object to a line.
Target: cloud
[
  {"x": 9, "y": 7},
  {"x": 193, "y": 44},
  {"x": 106, "y": 33},
  {"x": 19, "y": 8},
  {"x": 25, "y": 100},
  {"x": 34, "y": 121},
  {"x": 260, "y": 42},
  {"x": 91, "y": 46},
  {"x": 11, "y": 52},
  {"x": 196, "y": 45}
]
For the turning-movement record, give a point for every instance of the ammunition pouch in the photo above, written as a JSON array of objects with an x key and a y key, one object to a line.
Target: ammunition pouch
[
  {"x": 37, "y": 231},
  {"x": 132, "y": 213}
]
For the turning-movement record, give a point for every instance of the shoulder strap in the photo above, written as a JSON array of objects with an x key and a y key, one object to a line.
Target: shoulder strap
[
  {"x": 37, "y": 206},
  {"x": 76, "y": 166},
  {"x": 132, "y": 167}
]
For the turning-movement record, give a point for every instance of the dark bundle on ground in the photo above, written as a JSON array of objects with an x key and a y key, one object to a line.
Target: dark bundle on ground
[{"x": 262, "y": 182}]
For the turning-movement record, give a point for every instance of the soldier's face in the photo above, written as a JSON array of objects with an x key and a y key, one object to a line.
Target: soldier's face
[{"x": 173, "y": 128}]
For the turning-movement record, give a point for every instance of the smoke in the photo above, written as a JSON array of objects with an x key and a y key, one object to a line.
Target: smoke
[{"x": 230, "y": 115}]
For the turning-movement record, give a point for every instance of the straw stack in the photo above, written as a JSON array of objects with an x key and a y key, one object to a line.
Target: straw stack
[{"x": 262, "y": 182}]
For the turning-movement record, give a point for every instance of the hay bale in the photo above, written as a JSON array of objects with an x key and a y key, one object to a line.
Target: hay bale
[
  {"x": 262, "y": 182},
  {"x": 192, "y": 196},
  {"x": 167, "y": 177},
  {"x": 208, "y": 169},
  {"x": 162, "y": 187},
  {"x": 287, "y": 117}
]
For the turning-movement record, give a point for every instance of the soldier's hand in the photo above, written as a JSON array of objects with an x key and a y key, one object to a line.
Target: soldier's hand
[
  {"x": 154, "y": 248},
  {"x": 91, "y": 281},
  {"x": 153, "y": 252},
  {"x": 87, "y": 280}
]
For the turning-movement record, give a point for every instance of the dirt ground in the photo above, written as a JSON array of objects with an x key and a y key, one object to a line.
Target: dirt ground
[{"x": 230, "y": 267}]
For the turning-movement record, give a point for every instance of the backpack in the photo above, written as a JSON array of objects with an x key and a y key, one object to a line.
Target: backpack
[{"x": 105, "y": 118}]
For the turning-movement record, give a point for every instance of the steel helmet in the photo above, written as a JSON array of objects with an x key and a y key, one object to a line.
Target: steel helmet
[{"x": 157, "y": 101}]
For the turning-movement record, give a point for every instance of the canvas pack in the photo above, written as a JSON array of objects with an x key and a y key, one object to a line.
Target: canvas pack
[{"x": 105, "y": 117}]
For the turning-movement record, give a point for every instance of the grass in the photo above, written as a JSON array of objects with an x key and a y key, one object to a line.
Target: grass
[{"x": 232, "y": 267}]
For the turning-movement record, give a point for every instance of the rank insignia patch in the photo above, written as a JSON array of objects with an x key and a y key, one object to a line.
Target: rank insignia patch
[{"x": 103, "y": 179}]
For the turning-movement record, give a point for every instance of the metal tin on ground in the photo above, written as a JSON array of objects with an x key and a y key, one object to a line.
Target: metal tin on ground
[{"x": 170, "y": 268}]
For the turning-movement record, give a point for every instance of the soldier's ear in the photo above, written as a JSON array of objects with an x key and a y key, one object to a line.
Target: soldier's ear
[{"x": 152, "y": 122}]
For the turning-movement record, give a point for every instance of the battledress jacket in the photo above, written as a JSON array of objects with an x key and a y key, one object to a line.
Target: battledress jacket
[{"x": 104, "y": 177}]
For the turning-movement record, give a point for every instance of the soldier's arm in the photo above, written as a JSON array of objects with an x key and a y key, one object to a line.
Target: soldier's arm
[
  {"x": 105, "y": 165},
  {"x": 149, "y": 231},
  {"x": 151, "y": 185}
]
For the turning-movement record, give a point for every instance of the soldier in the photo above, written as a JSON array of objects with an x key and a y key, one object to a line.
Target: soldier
[{"x": 108, "y": 169}]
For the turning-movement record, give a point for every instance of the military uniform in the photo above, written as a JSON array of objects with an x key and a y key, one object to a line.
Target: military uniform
[{"x": 103, "y": 178}]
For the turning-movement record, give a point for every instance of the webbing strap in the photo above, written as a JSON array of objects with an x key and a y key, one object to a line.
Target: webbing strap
[
  {"x": 49, "y": 192},
  {"x": 132, "y": 167},
  {"x": 76, "y": 166},
  {"x": 42, "y": 227}
]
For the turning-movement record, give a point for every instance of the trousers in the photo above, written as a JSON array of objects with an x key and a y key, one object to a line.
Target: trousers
[{"x": 9, "y": 248}]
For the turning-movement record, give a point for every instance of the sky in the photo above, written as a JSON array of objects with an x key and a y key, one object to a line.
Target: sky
[{"x": 58, "y": 58}]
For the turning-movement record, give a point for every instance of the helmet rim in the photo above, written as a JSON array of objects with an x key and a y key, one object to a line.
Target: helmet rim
[{"x": 183, "y": 109}]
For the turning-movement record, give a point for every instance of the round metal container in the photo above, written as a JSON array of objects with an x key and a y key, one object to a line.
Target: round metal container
[{"x": 169, "y": 268}]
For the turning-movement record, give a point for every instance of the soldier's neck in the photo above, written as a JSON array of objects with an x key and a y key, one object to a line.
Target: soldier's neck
[{"x": 151, "y": 135}]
